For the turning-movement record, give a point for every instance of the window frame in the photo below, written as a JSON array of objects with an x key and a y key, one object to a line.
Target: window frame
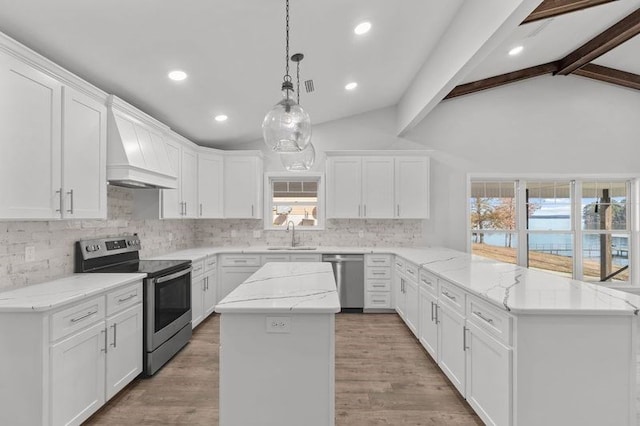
[
  {"x": 577, "y": 232},
  {"x": 270, "y": 177}
]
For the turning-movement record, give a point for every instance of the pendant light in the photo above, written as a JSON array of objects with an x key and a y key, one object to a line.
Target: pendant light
[
  {"x": 302, "y": 160},
  {"x": 287, "y": 127}
]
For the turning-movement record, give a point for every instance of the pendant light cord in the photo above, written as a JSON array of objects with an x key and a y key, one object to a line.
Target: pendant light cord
[
  {"x": 287, "y": 77},
  {"x": 298, "y": 80}
]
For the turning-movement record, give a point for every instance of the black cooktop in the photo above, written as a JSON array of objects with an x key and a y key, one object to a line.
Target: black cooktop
[{"x": 152, "y": 268}]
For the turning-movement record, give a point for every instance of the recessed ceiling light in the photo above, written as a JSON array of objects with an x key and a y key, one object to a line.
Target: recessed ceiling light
[
  {"x": 177, "y": 75},
  {"x": 516, "y": 50},
  {"x": 362, "y": 28},
  {"x": 220, "y": 118},
  {"x": 351, "y": 86}
]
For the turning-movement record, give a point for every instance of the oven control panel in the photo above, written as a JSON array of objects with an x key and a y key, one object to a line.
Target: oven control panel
[{"x": 108, "y": 246}]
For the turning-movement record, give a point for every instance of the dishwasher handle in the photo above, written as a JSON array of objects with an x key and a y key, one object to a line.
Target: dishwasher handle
[{"x": 340, "y": 259}]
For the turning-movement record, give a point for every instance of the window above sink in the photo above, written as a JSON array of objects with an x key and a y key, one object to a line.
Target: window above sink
[{"x": 294, "y": 197}]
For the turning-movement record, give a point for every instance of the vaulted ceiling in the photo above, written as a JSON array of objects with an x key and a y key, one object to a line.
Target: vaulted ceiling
[{"x": 416, "y": 53}]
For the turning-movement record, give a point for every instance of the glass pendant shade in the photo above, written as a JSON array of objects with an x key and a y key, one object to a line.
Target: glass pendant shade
[
  {"x": 299, "y": 161},
  {"x": 287, "y": 127}
]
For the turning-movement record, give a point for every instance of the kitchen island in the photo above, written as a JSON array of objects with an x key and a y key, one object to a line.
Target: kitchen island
[{"x": 277, "y": 347}]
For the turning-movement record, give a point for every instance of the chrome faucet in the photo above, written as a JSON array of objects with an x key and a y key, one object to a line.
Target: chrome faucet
[{"x": 293, "y": 232}]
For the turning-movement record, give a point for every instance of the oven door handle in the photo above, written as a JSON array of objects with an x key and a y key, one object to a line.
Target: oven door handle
[{"x": 172, "y": 276}]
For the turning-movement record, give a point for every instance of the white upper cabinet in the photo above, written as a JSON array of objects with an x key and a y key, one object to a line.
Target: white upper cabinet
[
  {"x": 377, "y": 185},
  {"x": 344, "y": 187},
  {"x": 84, "y": 153},
  {"x": 37, "y": 139},
  {"x": 412, "y": 187},
  {"x": 210, "y": 184},
  {"x": 182, "y": 201},
  {"x": 243, "y": 185}
]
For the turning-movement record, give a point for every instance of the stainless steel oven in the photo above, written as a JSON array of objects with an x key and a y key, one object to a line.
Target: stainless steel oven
[{"x": 167, "y": 293}]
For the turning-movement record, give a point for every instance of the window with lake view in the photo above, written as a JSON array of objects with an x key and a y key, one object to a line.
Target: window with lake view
[{"x": 576, "y": 228}]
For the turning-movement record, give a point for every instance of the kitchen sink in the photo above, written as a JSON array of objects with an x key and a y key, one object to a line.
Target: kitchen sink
[{"x": 291, "y": 248}]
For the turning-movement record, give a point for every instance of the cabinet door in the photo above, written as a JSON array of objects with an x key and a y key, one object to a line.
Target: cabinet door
[
  {"x": 377, "y": 187},
  {"x": 211, "y": 292},
  {"x": 412, "y": 305},
  {"x": 189, "y": 182},
  {"x": 210, "y": 185},
  {"x": 344, "y": 187},
  {"x": 172, "y": 198},
  {"x": 242, "y": 187},
  {"x": 398, "y": 292},
  {"x": 197, "y": 300},
  {"x": 451, "y": 353},
  {"x": 77, "y": 376},
  {"x": 124, "y": 349},
  {"x": 84, "y": 153},
  {"x": 488, "y": 387},
  {"x": 30, "y": 147},
  {"x": 412, "y": 187},
  {"x": 428, "y": 330}
]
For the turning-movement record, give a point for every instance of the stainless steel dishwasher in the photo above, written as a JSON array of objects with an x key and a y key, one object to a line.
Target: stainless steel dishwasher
[{"x": 348, "y": 270}]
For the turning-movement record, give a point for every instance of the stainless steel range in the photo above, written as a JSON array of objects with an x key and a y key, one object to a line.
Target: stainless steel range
[{"x": 167, "y": 293}]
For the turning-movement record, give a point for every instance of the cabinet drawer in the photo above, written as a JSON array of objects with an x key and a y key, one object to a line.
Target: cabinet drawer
[
  {"x": 122, "y": 298},
  {"x": 210, "y": 263},
  {"x": 198, "y": 268},
  {"x": 399, "y": 262},
  {"x": 377, "y": 300},
  {"x": 77, "y": 317},
  {"x": 240, "y": 260},
  {"x": 428, "y": 281},
  {"x": 266, "y": 258},
  {"x": 490, "y": 319},
  {"x": 411, "y": 271},
  {"x": 452, "y": 296},
  {"x": 305, "y": 258},
  {"x": 378, "y": 285},
  {"x": 378, "y": 260},
  {"x": 379, "y": 273}
]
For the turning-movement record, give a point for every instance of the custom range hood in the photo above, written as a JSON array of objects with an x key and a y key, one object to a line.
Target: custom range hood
[{"x": 136, "y": 152}]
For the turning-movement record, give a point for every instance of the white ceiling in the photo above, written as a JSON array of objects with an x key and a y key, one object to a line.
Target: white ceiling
[
  {"x": 552, "y": 39},
  {"x": 234, "y": 54}
]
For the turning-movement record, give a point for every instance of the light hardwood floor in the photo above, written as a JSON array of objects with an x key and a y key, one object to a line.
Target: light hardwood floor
[{"x": 383, "y": 377}]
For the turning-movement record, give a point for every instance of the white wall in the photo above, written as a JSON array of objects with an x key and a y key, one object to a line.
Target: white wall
[{"x": 554, "y": 125}]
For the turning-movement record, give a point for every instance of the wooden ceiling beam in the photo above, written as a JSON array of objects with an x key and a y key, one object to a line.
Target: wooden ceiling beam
[
  {"x": 609, "y": 75},
  {"x": 601, "y": 44},
  {"x": 499, "y": 80},
  {"x": 551, "y": 8}
]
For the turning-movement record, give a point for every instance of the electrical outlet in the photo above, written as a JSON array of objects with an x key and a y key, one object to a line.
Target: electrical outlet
[
  {"x": 257, "y": 234},
  {"x": 29, "y": 254},
  {"x": 234, "y": 233},
  {"x": 278, "y": 324},
  {"x": 361, "y": 234}
]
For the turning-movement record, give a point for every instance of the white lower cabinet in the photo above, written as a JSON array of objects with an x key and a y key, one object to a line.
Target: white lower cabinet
[
  {"x": 412, "y": 305},
  {"x": 428, "y": 322},
  {"x": 63, "y": 364},
  {"x": 451, "y": 353},
  {"x": 234, "y": 270},
  {"x": 78, "y": 375},
  {"x": 488, "y": 376},
  {"x": 204, "y": 289}
]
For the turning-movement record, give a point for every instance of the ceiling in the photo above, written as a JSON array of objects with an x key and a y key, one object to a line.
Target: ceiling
[{"x": 233, "y": 52}]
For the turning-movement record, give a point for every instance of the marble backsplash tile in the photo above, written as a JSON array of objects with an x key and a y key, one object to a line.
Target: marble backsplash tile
[{"x": 54, "y": 240}]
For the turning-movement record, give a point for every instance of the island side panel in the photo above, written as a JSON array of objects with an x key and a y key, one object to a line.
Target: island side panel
[
  {"x": 575, "y": 370},
  {"x": 277, "y": 378}
]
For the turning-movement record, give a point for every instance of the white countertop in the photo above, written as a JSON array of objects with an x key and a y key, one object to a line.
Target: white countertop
[
  {"x": 509, "y": 287},
  {"x": 52, "y": 294},
  {"x": 281, "y": 287}
]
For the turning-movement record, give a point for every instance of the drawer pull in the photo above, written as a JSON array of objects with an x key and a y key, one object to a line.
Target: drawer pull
[
  {"x": 239, "y": 260},
  {"x": 379, "y": 285},
  {"x": 379, "y": 273},
  {"x": 377, "y": 260},
  {"x": 427, "y": 282},
  {"x": 409, "y": 271},
  {"x": 449, "y": 295},
  {"x": 129, "y": 297},
  {"x": 87, "y": 315},
  {"x": 379, "y": 301},
  {"x": 196, "y": 270},
  {"x": 211, "y": 264},
  {"x": 482, "y": 317}
]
